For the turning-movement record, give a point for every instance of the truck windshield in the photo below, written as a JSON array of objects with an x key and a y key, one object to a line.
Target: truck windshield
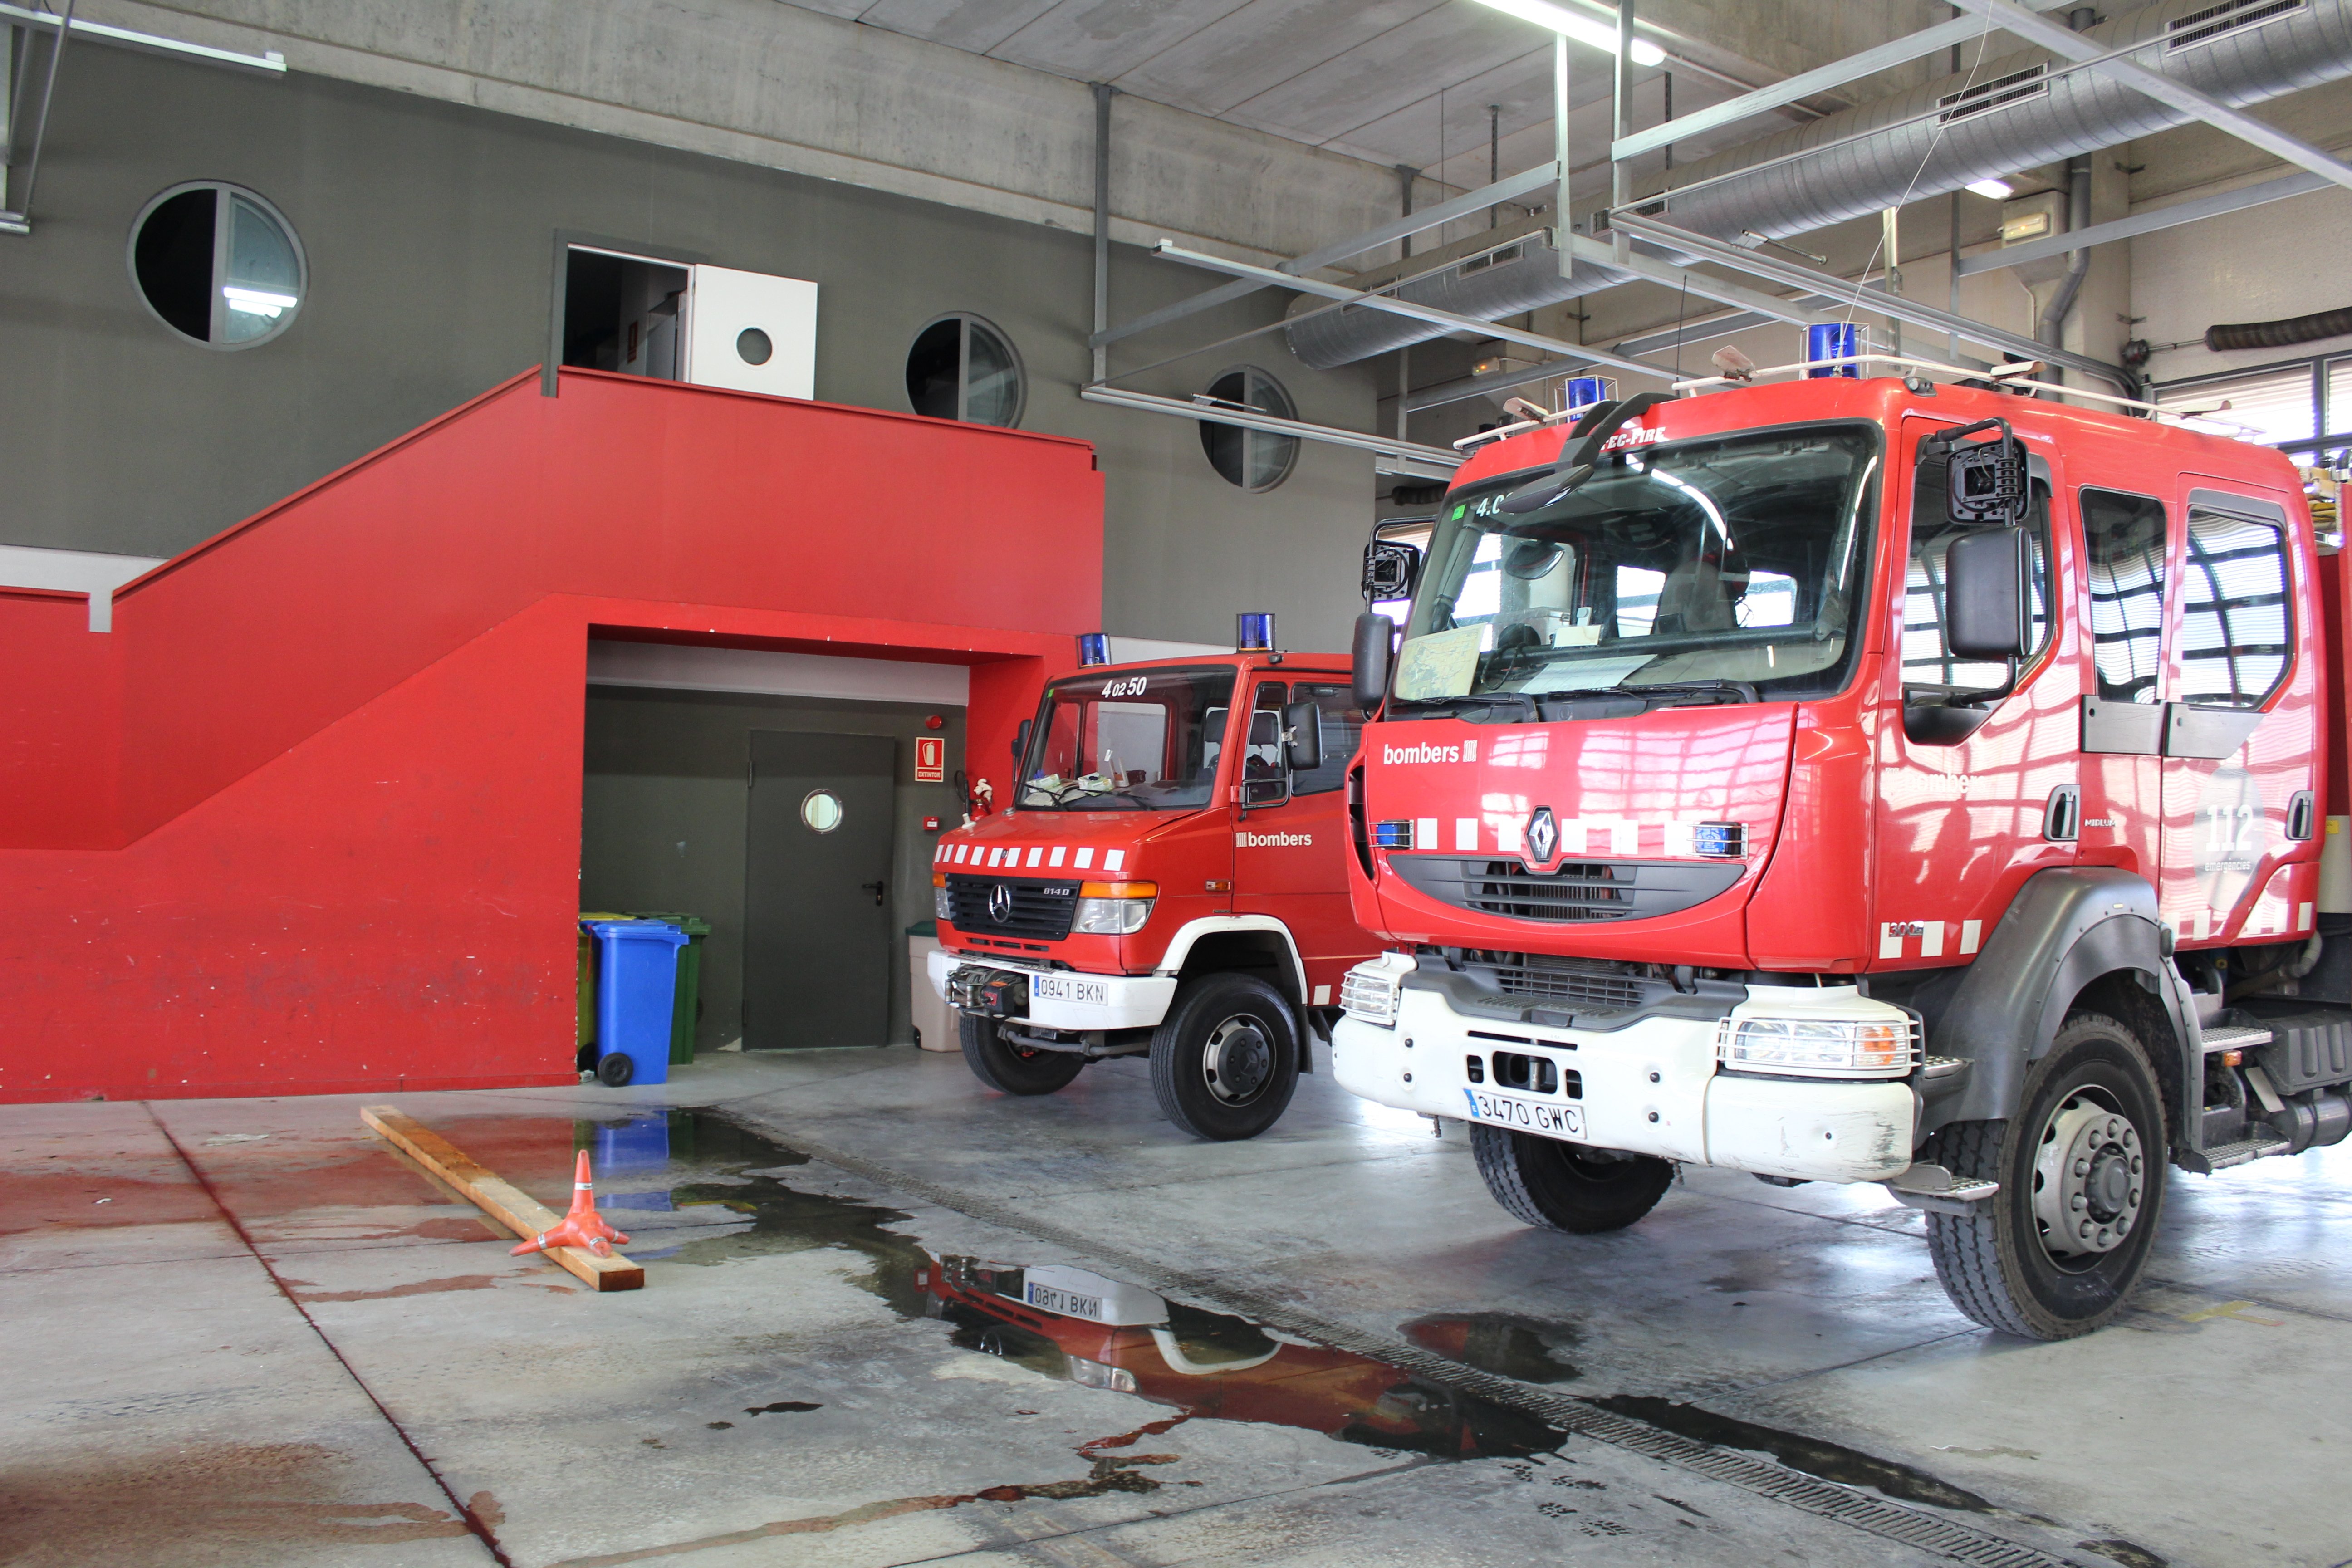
[
  {"x": 1725, "y": 563},
  {"x": 1140, "y": 741}
]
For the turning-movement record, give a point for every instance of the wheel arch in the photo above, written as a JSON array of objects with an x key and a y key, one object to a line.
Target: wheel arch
[
  {"x": 1246, "y": 944},
  {"x": 2073, "y": 937}
]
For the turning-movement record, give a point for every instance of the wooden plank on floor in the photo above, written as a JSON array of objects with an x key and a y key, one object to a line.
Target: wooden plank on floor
[{"x": 501, "y": 1200}]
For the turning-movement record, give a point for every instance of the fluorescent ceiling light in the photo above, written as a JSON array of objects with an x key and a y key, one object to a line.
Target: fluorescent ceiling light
[
  {"x": 257, "y": 302},
  {"x": 1589, "y": 30},
  {"x": 1993, "y": 190}
]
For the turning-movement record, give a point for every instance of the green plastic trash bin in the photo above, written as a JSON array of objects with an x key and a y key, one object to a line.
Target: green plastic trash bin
[{"x": 687, "y": 1009}]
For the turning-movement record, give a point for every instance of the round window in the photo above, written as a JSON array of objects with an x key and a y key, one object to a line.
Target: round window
[
  {"x": 822, "y": 811},
  {"x": 753, "y": 346},
  {"x": 963, "y": 368},
  {"x": 1254, "y": 460},
  {"x": 218, "y": 265}
]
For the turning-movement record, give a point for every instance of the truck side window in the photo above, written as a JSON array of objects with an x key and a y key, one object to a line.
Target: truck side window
[
  {"x": 1927, "y": 659},
  {"x": 1263, "y": 781},
  {"x": 2235, "y": 627},
  {"x": 1343, "y": 728},
  {"x": 2122, "y": 556}
]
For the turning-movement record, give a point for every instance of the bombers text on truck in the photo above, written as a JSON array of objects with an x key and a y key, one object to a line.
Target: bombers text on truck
[{"x": 1864, "y": 781}]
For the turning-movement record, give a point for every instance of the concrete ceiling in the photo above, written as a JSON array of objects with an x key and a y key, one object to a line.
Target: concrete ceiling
[{"x": 1390, "y": 81}]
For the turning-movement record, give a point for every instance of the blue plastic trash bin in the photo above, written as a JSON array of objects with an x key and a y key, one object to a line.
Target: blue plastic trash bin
[{"x": 636, "y": 972}]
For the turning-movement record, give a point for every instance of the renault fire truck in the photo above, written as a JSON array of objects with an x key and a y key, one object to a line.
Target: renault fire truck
[
  {"x": 1168, "y": 879},
  {"x": 1864, "y": 780}
]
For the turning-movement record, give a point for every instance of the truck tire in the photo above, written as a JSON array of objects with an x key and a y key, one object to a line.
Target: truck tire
[
  {"x": 1008, "y": 1068},
  {"x": 1225, "y": 1059},
  {"x": 1543, "y": 1181},
  {"x": 2055, "y": 1252}
]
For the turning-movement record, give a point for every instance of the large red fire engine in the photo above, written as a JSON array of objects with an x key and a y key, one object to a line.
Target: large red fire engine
[
  {"x": 1167, "y": 879},
  {"x": 1864, "y": 781}
]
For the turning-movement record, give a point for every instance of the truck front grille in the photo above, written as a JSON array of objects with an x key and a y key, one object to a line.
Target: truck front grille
[
  {"x": 1039, "y": 910},
  {"x": 1599, "y": 990},
  {"x": 1578, "y": 891}
]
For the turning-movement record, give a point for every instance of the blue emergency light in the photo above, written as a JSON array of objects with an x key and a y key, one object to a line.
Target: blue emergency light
[
  {"x": 1833, "y": 341},
  {"x": 1254, "y": 631},
  {"x": 1093, "y": 648},
  {"x": 1584, "y": 391},
  {"x": 1392, "y": 835}
]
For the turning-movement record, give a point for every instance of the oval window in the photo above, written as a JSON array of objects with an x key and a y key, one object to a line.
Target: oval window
[
  {"x": 963, "y": 368},
  {"x": 218, "y": 265},
  {"x": 1254, "y": 460},
  {"x": 822, "y": 811}
]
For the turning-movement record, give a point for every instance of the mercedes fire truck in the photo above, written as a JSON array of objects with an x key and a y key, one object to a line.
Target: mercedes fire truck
[
  {"x": 1168, "y": 879},
  {"x": 1864, "y": 780}
]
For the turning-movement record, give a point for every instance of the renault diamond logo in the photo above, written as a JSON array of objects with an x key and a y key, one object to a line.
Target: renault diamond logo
[
  {"x": 999, "y": 903},
  {"x": 1543, "y": 836}
]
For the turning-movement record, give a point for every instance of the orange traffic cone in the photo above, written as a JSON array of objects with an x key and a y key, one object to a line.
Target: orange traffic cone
[{"x": 584, "y": 1226}]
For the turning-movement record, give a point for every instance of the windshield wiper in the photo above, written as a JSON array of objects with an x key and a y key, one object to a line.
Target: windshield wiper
[{"x": 1744, "y": 690}]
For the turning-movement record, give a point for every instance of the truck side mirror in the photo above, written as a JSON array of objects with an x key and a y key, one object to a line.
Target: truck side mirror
[
  {"x": 1303, "y": 722},
  {"x": 1392, "y": 568},
  {"x": 1374, "y": 633},
  {"x": 1020, "y": 744},
  {"x": 1987, "y": 594}
]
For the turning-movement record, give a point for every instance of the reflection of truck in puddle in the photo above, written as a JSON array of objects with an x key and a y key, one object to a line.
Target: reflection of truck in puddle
[{"x": 1067, "y": 1322}]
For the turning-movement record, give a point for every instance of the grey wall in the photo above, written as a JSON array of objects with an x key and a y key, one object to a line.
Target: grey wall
[
  {"x": 662, "y": 817},
  {"x": 429, "y": 228}
]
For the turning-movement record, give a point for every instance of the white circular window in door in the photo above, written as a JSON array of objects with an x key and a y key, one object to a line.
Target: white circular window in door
[
  {"x": 820, "y": 811},
  {"x": 1254, "y": 460},
  {"x": 218, "y": 265}
]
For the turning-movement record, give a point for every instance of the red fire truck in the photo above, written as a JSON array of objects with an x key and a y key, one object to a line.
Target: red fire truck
[
  {"x": 1167, "y": 879},
  {"x": 1854, "y": 781}
]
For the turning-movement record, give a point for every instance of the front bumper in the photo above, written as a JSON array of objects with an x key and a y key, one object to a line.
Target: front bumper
[
  {"x": 1115, "y": 1001},
  {"x": 1652, "y": 1086}
]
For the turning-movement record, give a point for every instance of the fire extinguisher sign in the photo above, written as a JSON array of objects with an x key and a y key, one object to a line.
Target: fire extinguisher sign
[{"x": 930, "y": 759}]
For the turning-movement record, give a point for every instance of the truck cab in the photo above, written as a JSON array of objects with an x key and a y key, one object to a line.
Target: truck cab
[
  {"x": 1168, "y": 878},
  {"x": 1860, "y": 781}
]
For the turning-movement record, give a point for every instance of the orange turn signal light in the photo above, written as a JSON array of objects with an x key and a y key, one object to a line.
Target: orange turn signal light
[
  {"x": 938, "y": 879},
  {"x": 1119, "y": 889},
  {"x": 1218, "y": 884},
  {"x": 2234, "y": 1058}
]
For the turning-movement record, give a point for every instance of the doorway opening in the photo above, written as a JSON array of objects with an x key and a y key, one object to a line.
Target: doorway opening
[{"x": 625, "y": 313}]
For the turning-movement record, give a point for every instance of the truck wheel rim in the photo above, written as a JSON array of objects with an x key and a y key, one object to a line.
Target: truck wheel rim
[
  {"x": 1238, "y": 1061},
  {"x": 2089, "y": 1180}
]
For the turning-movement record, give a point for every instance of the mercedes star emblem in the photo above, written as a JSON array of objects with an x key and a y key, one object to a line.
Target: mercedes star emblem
[
  {"x": 999, "y": 903},
  {"x": 1543, "y": 836}
]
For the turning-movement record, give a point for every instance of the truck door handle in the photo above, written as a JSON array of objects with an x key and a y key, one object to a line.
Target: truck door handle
[
  {"x": 877, "y": 888},
  {"x": 2062, "y": 819}
]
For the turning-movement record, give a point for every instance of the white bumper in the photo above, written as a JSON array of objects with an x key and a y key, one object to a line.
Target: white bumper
[
  {"x": 1112, "y": 1001},
  {"x": 1652, "y": 1088}
]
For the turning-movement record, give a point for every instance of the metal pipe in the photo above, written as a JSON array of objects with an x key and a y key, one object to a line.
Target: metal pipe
[
  {"x": 1620, "y": 173},
  {"x": 1561, "y": 214},
  {"x": 270, "y": 64},
  {"x": 19, "y": 218},
  {"x": 2078, "y": 218},
  {"x": 1398, "y": 453},
  {"x": 1103, "y": 92}
]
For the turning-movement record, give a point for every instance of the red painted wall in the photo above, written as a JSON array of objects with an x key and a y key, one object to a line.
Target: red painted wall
[{"x": 308, "y": 820}]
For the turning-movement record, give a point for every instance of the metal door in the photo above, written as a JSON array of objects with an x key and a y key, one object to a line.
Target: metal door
[
  {"x": 750, "y": 331},
  {"x": 1287, "y": 855},
  {"x": 816, "y": 893}
]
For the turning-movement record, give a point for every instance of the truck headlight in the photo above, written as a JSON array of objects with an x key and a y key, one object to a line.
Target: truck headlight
[
  {"x": 1370, "y": 991},
  {"x": 943, "y": 904},
  {"x": 1113, "y": 908},
  {"x": 1832, "y": 1032}
]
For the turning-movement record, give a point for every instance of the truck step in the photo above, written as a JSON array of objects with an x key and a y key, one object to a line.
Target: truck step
[
  {"x": 2233, "y": 1037},
  {"x": 2243, "y": 1151}
]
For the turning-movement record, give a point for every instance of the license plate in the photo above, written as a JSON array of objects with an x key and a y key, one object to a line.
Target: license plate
[
  {"x": 1068, "y": 1303},
  {"x": 1529, "y": 1115},
  {"x": 1069, "y": 988}
]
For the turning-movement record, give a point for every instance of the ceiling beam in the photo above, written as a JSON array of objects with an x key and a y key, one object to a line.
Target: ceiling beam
[
  {"x": 1268, "y": 276},
  {"x": 2149, "y": 222},
  {"x": 1880, "y": 303},
  {"x": 2072, "y": 45},
  {"x": 1805, "y": 84},
  {"x": 1443, "y": 212}
]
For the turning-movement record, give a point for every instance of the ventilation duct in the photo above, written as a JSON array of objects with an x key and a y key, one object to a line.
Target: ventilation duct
[{"x": 2008, "y": 114}]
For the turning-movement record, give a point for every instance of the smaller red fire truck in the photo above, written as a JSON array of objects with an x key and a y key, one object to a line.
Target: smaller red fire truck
[{"x": 1167, "y": 878}]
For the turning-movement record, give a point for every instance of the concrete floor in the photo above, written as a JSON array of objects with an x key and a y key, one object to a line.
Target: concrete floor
[{"x": 242, "y": 1333}]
